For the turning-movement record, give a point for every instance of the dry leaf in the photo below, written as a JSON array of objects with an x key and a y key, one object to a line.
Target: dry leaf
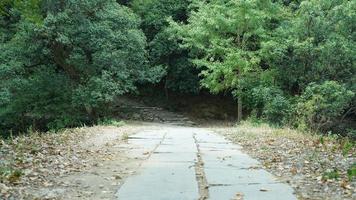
[
  {"x": 263, "y": 190},
  {"x": 239, "y": 196}
]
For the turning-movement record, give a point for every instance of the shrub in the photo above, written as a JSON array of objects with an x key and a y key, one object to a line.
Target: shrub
[
  {"x": 277, "y": 109},
  {"x": 320, "y": 106},
  {"x": 270, "y": 104},
  {"x": 69, "y": 68}
]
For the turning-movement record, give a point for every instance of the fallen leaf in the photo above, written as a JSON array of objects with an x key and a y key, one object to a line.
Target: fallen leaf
[
  {"x": 239, "y": 196},
  {"x": 263, "y": 190}
]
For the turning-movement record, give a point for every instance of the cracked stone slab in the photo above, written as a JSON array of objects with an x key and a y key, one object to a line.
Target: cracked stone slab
[
  {"x": 276, "y": 191},
  {"x": 161, "y": 181},
  {"x": 169, "y": 172},
  {"x": 229, "y": 171}
]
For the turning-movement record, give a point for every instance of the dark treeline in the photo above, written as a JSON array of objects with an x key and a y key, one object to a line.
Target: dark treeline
[{"x": 287, "y": 62}]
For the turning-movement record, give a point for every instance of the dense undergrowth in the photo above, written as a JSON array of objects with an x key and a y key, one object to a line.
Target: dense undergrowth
[{"x": 65, "y": 63}]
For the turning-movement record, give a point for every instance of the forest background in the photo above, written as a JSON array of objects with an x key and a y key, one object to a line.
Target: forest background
[{"x": 286, "y": 62}]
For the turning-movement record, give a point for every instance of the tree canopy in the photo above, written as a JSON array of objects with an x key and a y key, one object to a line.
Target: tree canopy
[
  {"x": 82, "y": 55},
  {"x": 269, "y": 53},
  {"x": 291, "y": 62}
]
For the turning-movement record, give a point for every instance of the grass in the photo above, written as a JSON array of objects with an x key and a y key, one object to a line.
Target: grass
[
  {"x": 351, "y": 173},
  {"x": 111, "y": 122},
  {"x": 334, "y": 174},
  {"x": 347, "y": 146},
  {"x": 10, "y": 174},
  {"x": 254, "y": 130}
]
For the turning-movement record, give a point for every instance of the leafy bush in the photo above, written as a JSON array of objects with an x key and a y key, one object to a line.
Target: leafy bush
[
  {"x": 69, "y": 67},
  {"x": 277, "y": 109},
  {"x": 270, "y": 104},
  {"x": 164, "y": 50},
  {"x": 321, "y": 105}
]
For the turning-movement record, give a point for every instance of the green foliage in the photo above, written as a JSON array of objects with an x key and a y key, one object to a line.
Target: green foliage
[
  {"x": 10, "y": 174},
  {"x": 111, "y": 122},
  {"x": 226, "y": 37},
  {"x": 351, "y": 173},
  {"x": 320, "y": 105},
  {"x": 333, "y": 174},
  {"x": 29, "y": 9},
  {"x": 63, "y": 63},
  {"x": 269, "y": 53},
  {"x": 347, "y": 146},
  {"x": 276, "y": 111},
  {"x": 155, "y": 13},
  {"x": 268, "y": 103},
  {"x": 68, "y": 69},
  {"x": 164, "y": 50},
  {"x": 315, "y": 44},
  {"x": 351, "y": 133}
]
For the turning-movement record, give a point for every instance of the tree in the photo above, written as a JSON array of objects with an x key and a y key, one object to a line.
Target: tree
[
  {"x": 225, "y": 37},
  {"x": 72, "y": 65},
  {"x": 316, "y": 44},
  {"x": 163, "y": 45},
  {"x": 30, "y": 9}
]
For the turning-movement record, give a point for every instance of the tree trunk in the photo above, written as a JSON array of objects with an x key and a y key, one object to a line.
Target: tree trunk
[
  {"x": 239, "y": 109},
  {"x": 166, "y": 88}
]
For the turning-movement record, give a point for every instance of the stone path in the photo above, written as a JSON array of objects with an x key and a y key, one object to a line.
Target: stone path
[{"x": 192, "y": 163}]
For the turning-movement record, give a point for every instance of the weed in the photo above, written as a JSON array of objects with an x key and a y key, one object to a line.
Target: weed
[
  {"x": 4, "y": 172},
  {"x": 351, "y": 173},
  {"x": 12, "y": 175},
  {"x": 334, "y": 174},
  {"x": 347, "y": 146},
  {"x": 125, "y": 136},
  {"x": 111, "y": 122},
  {"x": 15, "y": 175},
  {"x": 322, "y": 140}
]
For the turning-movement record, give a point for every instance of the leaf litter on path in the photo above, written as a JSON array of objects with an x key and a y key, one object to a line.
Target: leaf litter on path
[
  {"x": 63, "y": 165},
  {"x": 315, "y": 171}
]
